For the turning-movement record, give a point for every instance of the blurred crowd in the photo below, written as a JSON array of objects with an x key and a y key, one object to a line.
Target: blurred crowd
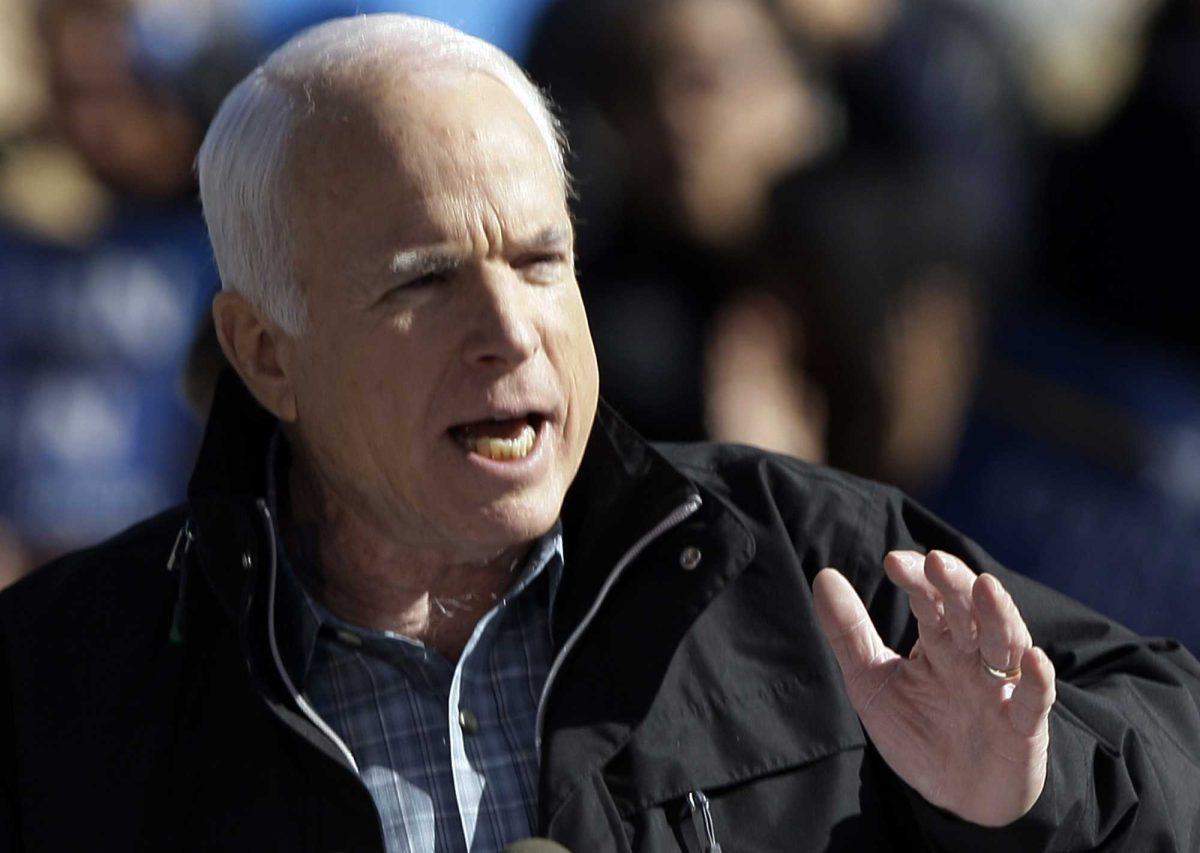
[{"x": 940, "y": 243}]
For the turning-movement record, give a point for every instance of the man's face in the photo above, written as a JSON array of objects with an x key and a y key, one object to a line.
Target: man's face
[{"x": 446, "y": 383}]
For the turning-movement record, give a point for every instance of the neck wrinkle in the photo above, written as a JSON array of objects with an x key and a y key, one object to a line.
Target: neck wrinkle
[{"x": 361, "y": 577}]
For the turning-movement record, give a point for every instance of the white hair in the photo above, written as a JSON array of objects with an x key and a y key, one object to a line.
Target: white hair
[{"x": 243, "y": 157}]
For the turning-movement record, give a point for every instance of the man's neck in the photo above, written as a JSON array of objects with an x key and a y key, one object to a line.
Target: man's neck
[{"x": 368, "y": 579}]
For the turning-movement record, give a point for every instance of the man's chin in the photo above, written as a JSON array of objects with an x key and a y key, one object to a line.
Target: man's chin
[{"x": 502, "y": 527}]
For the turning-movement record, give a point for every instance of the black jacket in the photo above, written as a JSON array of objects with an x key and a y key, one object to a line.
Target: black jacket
[{"x": 140, "y": 707}]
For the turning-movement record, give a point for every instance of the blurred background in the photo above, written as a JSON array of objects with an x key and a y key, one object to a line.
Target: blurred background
[{"x": 947, "y": 244}]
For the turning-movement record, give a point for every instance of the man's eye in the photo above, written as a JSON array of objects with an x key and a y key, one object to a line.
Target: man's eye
[
  {"x": 427, "y": 280},
  {"x": 414, "y": 285},
  {"x": 542, "y": 264},
  {"x": 421, "y": 282}
]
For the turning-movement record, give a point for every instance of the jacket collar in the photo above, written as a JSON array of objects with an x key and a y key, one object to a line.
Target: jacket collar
[
  {"x": 624, "y": 487},
  {"x": 613, "y": 683},
  {"x": 227, "y": 482},
  {"x": 232, "y": 459}
]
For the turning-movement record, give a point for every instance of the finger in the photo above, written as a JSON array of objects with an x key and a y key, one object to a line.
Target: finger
[
  {"x": 953, "y": 580},
  {"x": 859, "y": 650},
  {"x": 906, "y": 569},
  {"x": 1003, "y": 637},
  {"x": 1034, "y": 694}
]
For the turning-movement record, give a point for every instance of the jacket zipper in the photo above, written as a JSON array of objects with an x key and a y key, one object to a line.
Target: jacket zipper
[
  {"x": 301, "y": 702},
  {"x": 702, "y": 822},
  {"x": 179, "y": 555},
  {"x": 676, "y": 516}
]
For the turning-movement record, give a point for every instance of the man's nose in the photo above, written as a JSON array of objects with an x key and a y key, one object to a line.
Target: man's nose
[{"x": 504, "y": 328}]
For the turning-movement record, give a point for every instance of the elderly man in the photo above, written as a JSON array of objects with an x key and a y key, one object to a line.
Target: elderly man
[{"x": 424, "y": 597}]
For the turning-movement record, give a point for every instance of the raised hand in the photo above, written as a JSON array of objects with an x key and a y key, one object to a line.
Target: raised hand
[{"x": 964, "y": 718}]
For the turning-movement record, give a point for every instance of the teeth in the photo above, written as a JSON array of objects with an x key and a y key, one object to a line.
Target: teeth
[{"x": 502, "y": 448}]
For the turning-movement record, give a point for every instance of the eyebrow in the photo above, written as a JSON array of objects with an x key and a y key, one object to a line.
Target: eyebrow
[
  {"x": 414, "y": 263},
  {"x": 553, "y": 235},
  {"x": 411, "y": 264}
]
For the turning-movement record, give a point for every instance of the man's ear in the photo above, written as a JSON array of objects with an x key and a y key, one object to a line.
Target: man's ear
[{"x": 259, "y": 351}]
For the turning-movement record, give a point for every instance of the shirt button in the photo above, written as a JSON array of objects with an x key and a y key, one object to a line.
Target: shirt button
[
  {"x": 468, "y": 721},
  {"x": 689, "y": 557}
]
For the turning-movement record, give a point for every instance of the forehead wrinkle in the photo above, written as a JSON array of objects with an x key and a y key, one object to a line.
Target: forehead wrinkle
[{"x": 416, "y": 144}]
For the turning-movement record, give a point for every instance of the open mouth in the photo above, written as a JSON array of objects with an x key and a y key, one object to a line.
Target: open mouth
[{"x": 500, "y": 439}]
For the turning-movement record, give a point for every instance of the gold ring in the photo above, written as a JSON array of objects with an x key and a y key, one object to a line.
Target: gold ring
[{"x": 1002, "y": 674}]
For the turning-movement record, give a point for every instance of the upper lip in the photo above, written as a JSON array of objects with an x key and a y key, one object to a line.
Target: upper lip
[{"x": 546, "y": 413}]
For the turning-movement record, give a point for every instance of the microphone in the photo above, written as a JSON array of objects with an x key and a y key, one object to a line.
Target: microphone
[{"x": 535, "y": 845}]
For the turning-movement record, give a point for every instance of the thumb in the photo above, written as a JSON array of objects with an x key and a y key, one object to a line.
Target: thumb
[{"x": 845, "y": 623}]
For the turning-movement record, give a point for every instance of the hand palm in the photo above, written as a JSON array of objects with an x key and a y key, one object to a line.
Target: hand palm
[{"x": 967, "y": 741}]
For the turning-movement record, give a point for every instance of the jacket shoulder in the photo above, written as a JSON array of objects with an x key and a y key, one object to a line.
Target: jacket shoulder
[
  {"x": 125, "y": 570},
  {"x": 830, "y": 517},
  {"x": 737, "y": 470}
]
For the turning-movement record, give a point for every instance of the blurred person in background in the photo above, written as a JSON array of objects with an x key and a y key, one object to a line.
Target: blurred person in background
[
  {"x": 696, "y": 111},
  {"x": 103, "y": 254},
  {"x": 1081, "y": 460},
  {"x": 1055, "y": 418},
  {"x": 1074, "y": 60},
  {"x": 22, "y": 101},
  {"x": 105, "y": 268},
  {"x": 928, "y": 81},
  {"x": 872, "y": 309},
  {"x": 683, "y": 114},
  {"x": 863, "y": 325},
  {"x": 1119, "y": 203},
  {"x": 925, "y": 87}
]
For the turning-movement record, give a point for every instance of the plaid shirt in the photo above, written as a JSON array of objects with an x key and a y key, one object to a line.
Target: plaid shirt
[{"x": 447, "y": 752}]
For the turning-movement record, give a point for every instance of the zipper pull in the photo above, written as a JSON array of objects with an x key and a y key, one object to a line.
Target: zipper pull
[
  {"x": 185, "y": 537},
  {"x": 702, "y": 822}
]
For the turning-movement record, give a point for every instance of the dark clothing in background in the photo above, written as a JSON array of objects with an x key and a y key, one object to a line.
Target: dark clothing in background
[
  {"x": 709, "y": 676},
  {"x": 1119, "y": 207},
  {"x": 650, "y": 303}
]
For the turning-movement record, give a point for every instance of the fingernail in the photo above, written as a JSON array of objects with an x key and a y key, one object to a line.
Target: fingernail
[
  {"x": 908, "y": 558},
  {"x": 999, "y": 593}
]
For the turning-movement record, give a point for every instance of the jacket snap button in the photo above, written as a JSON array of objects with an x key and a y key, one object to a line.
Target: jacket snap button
[
  {"x": 468, "y": 721},
  {"x": 689, "y": 557},
  {"x": 247, "y": 560}
]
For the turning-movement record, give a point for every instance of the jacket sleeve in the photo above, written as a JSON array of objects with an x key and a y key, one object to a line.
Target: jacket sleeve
[
  {"x": 10, "y": 834},
  {"x": 10, "y": 837},
  {"x": 1124, "y": 768}
]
